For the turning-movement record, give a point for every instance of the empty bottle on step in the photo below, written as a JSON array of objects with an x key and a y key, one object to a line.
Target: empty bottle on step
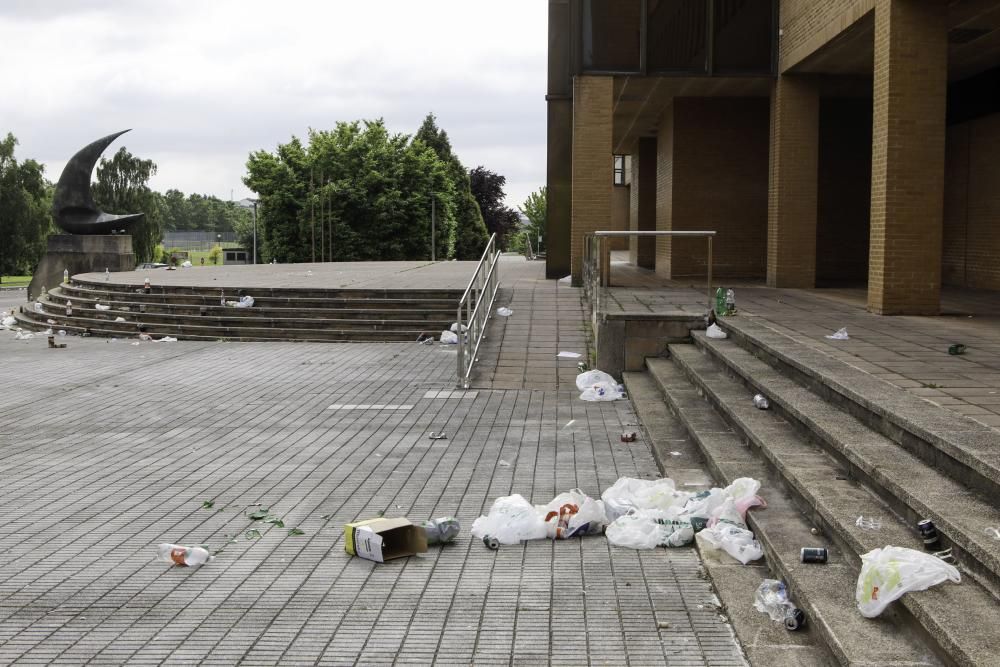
[
  {"x": 181, "y": 555},
  {"x": 69, "y": 308},
  {"x": 146, "y": 285},
  {"x": 441, "y": 530},
  {"x": 730, "y": 302},
  {"x": 107, "y": 275},
  {"x": 65, "y": 276}
]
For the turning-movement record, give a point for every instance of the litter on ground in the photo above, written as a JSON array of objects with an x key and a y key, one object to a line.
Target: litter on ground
[
  {"x": 568, "y": 355},
  {"x": 889, "y": 573},
  {"x": 503, "y": 311},
  {"x": 839, "y": 334}
]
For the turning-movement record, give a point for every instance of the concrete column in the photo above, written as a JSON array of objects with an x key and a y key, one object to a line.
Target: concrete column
[
  {"x": 593, "y": 169},
  {"x": 642, "y": 251},
  {"x": 793, "y": 183},
  {"x": 908, "y": 144}
]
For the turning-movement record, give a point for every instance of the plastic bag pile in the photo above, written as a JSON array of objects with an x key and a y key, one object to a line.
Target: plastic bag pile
[
  {"x": 638, "y": 513},
  {"x": 598, "y": 386},
  {"x": 7, "y": 320}
]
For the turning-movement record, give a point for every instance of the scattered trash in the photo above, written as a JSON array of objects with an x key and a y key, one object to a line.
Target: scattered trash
[
  {"x": 136, "y": 343},
  {"x": 183, "y": 556},
  {"x": 675, "y": 453},
  {"x": 813, "y": 555},
  {"x": 491, "y": 542},
  {"x": 597, "y": 385},
  {"x": 50, "y": 321},
  {"x": 438, "y": 436},
  {"x": 383, "y": 539},
  {"x": 568, "y": 355},
  {"x": 839, "y": 334},
  {"x": 145, "y": 285},
  {"x": 449, "y": 338},
  {"x": 760, "y": 402},
  {"x": 245, "y": 302},
  {"x": 69, "y": 308},
  {"x": 107, "y": 274},
  {"x": 715, "y": 331},
  {"x": 65, "y": 275},
  {"x": 513, "y": 519},
  {"x": 582, "y": 366},
  {"x": 663, "y": 625},
  {"x": 187, "y": 264},
  {"x": 23, "y": 335},
  {"x": 945, "y": 555},
  {"x": 738, "y": 542},
  {"x": 454, "y": 328},
  {"x": 7, "y": 320},
  {"x": 868, "y": 523},
  {"x": 440, "y": 531},
  {"x": 503, "y": 311},
  {"x": 629, "y": 437},
  {"x": 771, "y": 598},
  {"x": 956, "y": 348},
  {"x": 570, "y": 423},
  {"x": 166, "y": 339},
  {"x": 929, "y": 534},
  {"x": 101, "y": 307},
  {"x": 425, "y": 339},
  {"x": 888, "y": 573},
  {"x": 145, "y": 337},
  {"x": 992, "y": 532},
  {"x": 54, "y": 345},
  {"x": 39, "y": 308},
  {"x": 566, "y": 280},
  {"x": 503, "y": 464},
  {"x": 47, "y": 332},
  {"x": 119, "y": 319}
]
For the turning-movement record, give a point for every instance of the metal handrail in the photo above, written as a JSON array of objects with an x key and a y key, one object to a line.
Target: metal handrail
[
  {"x": 529, "y": 252},
  {"x": 483, "y": 287},
  {"x": 597, "y": 270}
]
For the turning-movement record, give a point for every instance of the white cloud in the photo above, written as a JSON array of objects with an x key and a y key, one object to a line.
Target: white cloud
[{"x": 205, "y": 83}]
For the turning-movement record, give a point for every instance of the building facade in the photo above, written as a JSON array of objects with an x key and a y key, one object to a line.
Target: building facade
[{"x": 828, "y": 142}]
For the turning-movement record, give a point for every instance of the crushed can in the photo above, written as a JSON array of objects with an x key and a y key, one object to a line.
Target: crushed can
[
  {"x": 491, "y": 542},
  {"x": 929, "y": 534},
  {"x": 629, "y": 436}
]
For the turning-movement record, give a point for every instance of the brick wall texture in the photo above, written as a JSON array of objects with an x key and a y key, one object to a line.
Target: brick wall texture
[
  {"x": 593, "y": 168},
  {"x": 908, "y": 142},
  {"x": 807, "y": 25},
  {"x": 620, "y": 201},
  {"x": 642, "y": 252},
  {"x": 712, "y": 175}
]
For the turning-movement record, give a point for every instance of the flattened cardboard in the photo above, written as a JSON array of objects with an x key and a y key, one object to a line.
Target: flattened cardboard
[{"x": 382, "y": 539}]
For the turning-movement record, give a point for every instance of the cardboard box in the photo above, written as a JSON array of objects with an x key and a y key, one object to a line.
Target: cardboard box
[{"x": 384, "y": 539}]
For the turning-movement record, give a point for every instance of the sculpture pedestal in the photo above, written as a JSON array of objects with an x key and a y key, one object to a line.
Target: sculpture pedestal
[{"x": 81, "y": 254}]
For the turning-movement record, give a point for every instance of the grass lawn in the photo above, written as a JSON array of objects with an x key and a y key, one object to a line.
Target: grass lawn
[{"x": 17, "y": 281}]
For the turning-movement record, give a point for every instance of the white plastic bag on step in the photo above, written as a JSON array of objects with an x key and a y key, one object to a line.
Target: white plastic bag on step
[
  {"x": 245, "y": 302},
  {"x": 715, "y": 331},
  {"x": 648, "y": 529},
  {"x": 573, "y": 513},
  {"x": 630, "y": 493},
  {"x": 888, "y": 573},
  {"x": 839, "y": 334},
  {"x": 454, "y": 328},
  {"x": 101, "y": 307},
  {"x": 8, "y": 321},
  {"x": 449, "y": 338},
  {"x": 738, "y": 542},
  {"x": 511, "y": 519}
]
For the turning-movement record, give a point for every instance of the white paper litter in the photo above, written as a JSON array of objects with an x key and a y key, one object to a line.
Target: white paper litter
[
  {"x": 504, "y": 312},
  {"x": 568, "y": 355},
  {"x": 839, "y": 334}
]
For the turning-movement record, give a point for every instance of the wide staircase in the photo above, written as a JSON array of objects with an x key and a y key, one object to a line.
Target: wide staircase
[
  {"x": 837, "y": 444},
  {"x": 278, "y": 314}
]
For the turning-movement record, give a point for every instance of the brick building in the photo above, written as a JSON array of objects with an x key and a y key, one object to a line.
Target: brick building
[{"x": 827, "y": 141}]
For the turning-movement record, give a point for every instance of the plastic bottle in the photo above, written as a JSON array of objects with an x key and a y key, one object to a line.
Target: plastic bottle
[
  {"x": 65, "y": 276},
  {"x": 760, "y": 402},
  {"x": 441, "y": 530},
  {"x": 720, "y": 301},
  {"x": 730, "y": 301},
  {"x": 69, "y": 308},
  {"x": 145, "y": 285},
  {"x": 107, "y": 275},
  {"x": 181, "y": 555}
]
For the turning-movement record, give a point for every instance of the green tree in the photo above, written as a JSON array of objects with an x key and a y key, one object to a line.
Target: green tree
[
  {"x": 470, "y": 230},
  {"x": 534, "y": 208},
  {"x": 215, "y": 253},
  {"x": 25, "y": 216},
  {"x": 123, "y": 187},
  {"x": 487, "y": 187},
  {"x": 370, "y": 190}
]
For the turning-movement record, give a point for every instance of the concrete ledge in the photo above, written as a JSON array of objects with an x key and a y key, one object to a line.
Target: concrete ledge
[{"x": 624, "y": 340}]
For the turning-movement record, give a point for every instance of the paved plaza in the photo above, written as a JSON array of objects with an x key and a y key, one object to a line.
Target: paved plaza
[{"x": 108, "y": 449}]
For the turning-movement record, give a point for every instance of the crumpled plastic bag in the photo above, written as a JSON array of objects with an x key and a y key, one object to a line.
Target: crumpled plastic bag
[
  {"x": 119, "y": 319},
  {"x": 7, "y": 321},
  {"x": 648, "y": 529},
  {"x": 449, "y": 338},
  {"x": 511, "y": 519},
  {"x": 715, "y": 331},
  {"x": 186, "y": 265},
  {"x": 165, "y": 339},
  {"x": 590, "y": 378},
  {"x": 101, "y": 307},
  {"x": 888, "y": 573},
  {"x": 573, "y": 513},
  {"x": 39, "y": 308},
  {"x": 603, "y": 391},
  {"x": 839, "y": 334},
  {"x": 23, "y": 335},
  {"x": 503, "y": 311},
  {"x": 245, "y": 302},
  {"x": 454, "y": 328},
  {"x": 738, "y": 542},
  {"x": 629, "y": 493}
]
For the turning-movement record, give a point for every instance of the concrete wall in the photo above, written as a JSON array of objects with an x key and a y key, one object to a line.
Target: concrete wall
[
  {"x": 972, "y": 205},
  {"x": 712, "y": 174},
  {"x": 620, "y": 201}
]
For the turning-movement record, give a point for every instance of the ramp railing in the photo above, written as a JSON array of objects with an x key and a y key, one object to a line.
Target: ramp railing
[{"x": 475, "y": 308}]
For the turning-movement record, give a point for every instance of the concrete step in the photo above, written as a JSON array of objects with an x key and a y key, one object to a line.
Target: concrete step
[
  {"x": 961, "y": 447},
  {"x": 913, "y": 489},
  {"x": 821, "y": 485},
  {"x": 764, "y": 642}
]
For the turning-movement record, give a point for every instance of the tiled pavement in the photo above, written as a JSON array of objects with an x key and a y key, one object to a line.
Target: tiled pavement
[{"x": 107, "y": 449}]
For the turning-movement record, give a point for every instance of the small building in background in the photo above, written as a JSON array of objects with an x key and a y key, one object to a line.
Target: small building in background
[{"x": 235, "y": 256}]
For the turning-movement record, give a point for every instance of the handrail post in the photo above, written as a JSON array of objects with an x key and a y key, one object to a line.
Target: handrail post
[
  {"x": 709, "y": 273},
  {"x": 461, "y": 349}
]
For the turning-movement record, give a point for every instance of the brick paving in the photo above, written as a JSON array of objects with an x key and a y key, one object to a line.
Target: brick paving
[{"x": 107, "y": 449}]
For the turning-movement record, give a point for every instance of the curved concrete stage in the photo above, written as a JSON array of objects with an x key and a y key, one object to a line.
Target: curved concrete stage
[{"x": 334, "y": 302}]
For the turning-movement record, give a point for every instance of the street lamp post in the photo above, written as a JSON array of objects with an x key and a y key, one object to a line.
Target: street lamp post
[
  {"x": 433, "y": 225},
  {"x": 254, "y": 229}
]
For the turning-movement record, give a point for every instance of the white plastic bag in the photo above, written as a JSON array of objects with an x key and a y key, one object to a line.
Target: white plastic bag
[
  {"x": 738, "y": 542},
  {"x": 503, "y": 311},
  {"x": 648, "y": 529},
  {"x": 39, "y": 308},
  {"x": 629, "y": 493},
  {"x": 21, "y": 335},
  {"x": 454, "y": 328},
  {"x": 590, "y": 378},
  {"x": 186, "y": 264},
  {"x": 101, "y": 307},
  {"x": 8, "y": 321},
  {"x": 888, "y": 573},
  {"x": 245, "y": 302},
  {"x": 119, "y": 319},
  {"x": 511, "y": 519},
  {"x": 449, "y": 338},
  {"x": 165, "y": 339},
  {"x": 603, "y": 391},
  {"x": 839, "y": 334},
  {"x": 573, "y": 513},
  {"x": 715, "y": 331}
]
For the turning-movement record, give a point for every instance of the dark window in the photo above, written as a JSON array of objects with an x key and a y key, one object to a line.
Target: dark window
[
  {"x": 230, "y": 256},
  {"x": 619, "y": 170},
  {"x": 676, "y": 33},
  {"x": 742, "y": 36},
  {"x": 611, "y": 35}
]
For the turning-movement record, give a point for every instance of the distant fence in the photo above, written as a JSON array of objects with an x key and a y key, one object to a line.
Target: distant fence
[{"x": 198, "y": 241}]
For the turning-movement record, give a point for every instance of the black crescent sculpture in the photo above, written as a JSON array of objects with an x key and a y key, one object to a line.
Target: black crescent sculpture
[{"x": 73, "y": 206}]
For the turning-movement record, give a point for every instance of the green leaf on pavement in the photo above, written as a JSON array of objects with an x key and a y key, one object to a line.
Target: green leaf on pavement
[
  {"x": 296, "y": 531},
  {"x": 275, "y": 521},
  {"x": 207, "y": 504},
  {"x": 259, "y": 514},
  {"x": 252, "y": 534}
]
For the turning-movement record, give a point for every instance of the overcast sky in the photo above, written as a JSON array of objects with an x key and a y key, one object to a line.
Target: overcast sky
[{"x": 204, "y": 82}]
